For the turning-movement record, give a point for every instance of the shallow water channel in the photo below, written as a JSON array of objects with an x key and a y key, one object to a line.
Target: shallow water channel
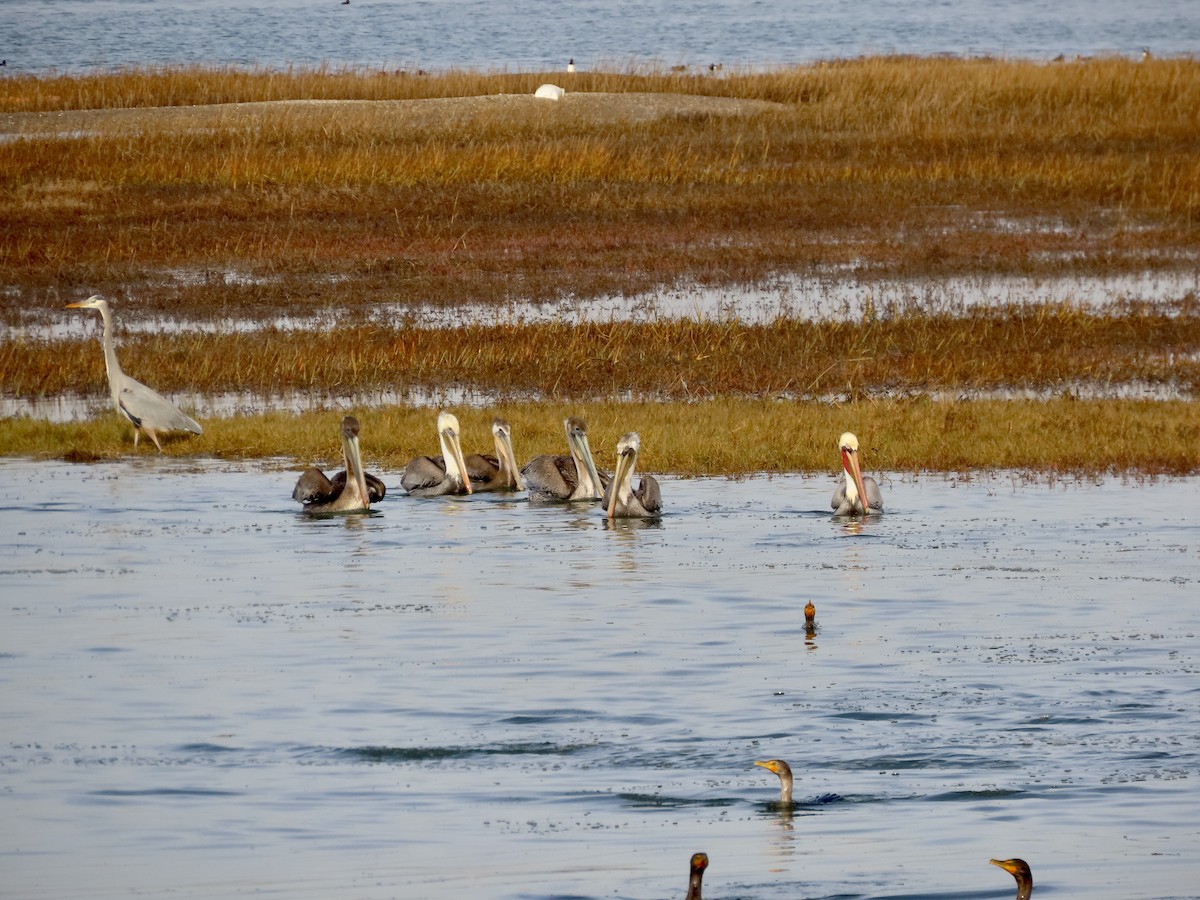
[{"x": 206, "y": 693}]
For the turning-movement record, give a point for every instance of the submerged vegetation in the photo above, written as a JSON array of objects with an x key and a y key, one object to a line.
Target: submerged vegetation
[{"x": 248, "y": 195}]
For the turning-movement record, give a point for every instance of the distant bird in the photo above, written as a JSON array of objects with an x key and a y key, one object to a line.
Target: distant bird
[
  {"x": 620, "y": 499},
  {"x": 572, "y": 477},
  {"x": 1146, "y": 55},
  {"x": 784, "y": 771},
  {"x": 3, "y": 62},
  {"x": 1018, "y": 869},
  {"x": 696, "y": 875},
  {"x": 499, "y": 472},
  {"x": 570, "y": 65},
  {"x": 351, "y": 490},
  {"x": 427, "y": 476},
  {"x": 854, "y": 490},
  {"x": 144, "y": 407}
]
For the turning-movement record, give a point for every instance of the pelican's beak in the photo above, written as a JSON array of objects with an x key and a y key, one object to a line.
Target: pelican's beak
[
  {"x": 504, "y": 451},
  {"x": 450, "y": 436},
  {"x": 625, "y": 460},
  {"x": 354, "y": 467},
  {"x": 585, "y": 453},
  {"x": 850, "y": 464}
]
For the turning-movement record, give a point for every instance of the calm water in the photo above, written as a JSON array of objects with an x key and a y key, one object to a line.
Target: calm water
[
  {"x": 206, "y": 694},
  {"x": 67, "y": 35}
]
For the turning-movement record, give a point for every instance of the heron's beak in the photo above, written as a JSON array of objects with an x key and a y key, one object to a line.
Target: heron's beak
[{"x": 850, "y": 464}]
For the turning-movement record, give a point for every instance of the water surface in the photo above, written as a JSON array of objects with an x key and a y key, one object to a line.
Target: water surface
[
  {"x": 73, "y": 35},
  {"x": 207, "y": 694}
]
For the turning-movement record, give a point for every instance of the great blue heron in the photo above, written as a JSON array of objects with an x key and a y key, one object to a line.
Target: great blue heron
[
  {"x": 427, "y": 476},
  {"x": 1018, "y": 869},
  {"x": 148, "y": 410},
  {"x": 620, "y": 499},
  {"x": 352, "y": 490},
  {"x": 572, "y": 477},
  {"x": 855, "y": 495},
  {"x": 499, "y": 472}
]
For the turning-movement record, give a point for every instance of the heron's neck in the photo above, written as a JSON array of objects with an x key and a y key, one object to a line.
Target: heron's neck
[{"x": 111, "y": 366}]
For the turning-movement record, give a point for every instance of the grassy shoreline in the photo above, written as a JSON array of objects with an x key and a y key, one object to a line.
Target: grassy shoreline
[{"x": 732, "y": 437}]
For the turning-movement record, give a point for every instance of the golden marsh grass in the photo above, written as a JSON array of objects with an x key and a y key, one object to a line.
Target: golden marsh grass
[
  {"x": 1013, "y": 347},
  {"x": 439, "y": 189},
  {"x": 723, "y": 437}
]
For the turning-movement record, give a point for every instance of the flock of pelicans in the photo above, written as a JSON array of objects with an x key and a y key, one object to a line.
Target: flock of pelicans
[
  {"x": 547, "y": 477},
  {"x": 569, "y": 477}
]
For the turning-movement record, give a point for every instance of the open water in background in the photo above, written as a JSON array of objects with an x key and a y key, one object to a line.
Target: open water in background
[
  {"x": 205, "y": 693},
  {"x": 73, "y": 35}
]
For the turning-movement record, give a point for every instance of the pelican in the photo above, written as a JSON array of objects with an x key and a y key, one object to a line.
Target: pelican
[
  {"x": 848, "y": 498},
  {"x": 148, "y": 410},
  {"x": 1018, "y": 869},
  {"x": 695, "y": 875},
  {"x": 784, "y": 771},
  {"x": 446, "y": 474},
  {"x": 571, "y": 477},
  {"x": 620, "y": 499},
  {"x": 499, "y": 472},
  {"x": 352, "y": 490}
]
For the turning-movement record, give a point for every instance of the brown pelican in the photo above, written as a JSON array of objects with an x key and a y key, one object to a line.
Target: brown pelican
[
  {"x": 499, "y": 472},
  {"x": 571, "y": 477},
  {"x": 784, "y": 771},
  {"x": 848, "y": 499},
  {"x": 437, "y": 476},
  {"x": 1018, "y": 869},
  {"x": 148, "y": 410},
  {"x": 620, "y": 499},
  {"x": 699, "y": 864},
  {"x": 352, "y": 490}
]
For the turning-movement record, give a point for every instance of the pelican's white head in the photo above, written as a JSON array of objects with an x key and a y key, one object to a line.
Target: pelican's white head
[
  {"x": 581, "y": 451},
  {"x": 621, "y": 488}
]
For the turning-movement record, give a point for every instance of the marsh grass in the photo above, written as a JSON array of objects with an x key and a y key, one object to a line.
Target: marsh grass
[
  {"x": 892, "y": 166},
  {"x": 722, "y": 437},
  {"x": 1038, "y": 347}
]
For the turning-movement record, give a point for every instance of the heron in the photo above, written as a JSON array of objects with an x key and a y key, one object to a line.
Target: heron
[
  {"x": 1018, "y": 869},
  {"x": 351, "y": 490},
  {"x": 144, "y": 407},
  {"x": 855, "y": 495},
  {"x": 499, "y": 472},
  {"x": 695, "y": 875},
  {"x": 427, "y": 476},
  {"x": 620, "y": 499},
  {"x": 784, "y": 771},
  {"x": 572, "y": 477}
]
